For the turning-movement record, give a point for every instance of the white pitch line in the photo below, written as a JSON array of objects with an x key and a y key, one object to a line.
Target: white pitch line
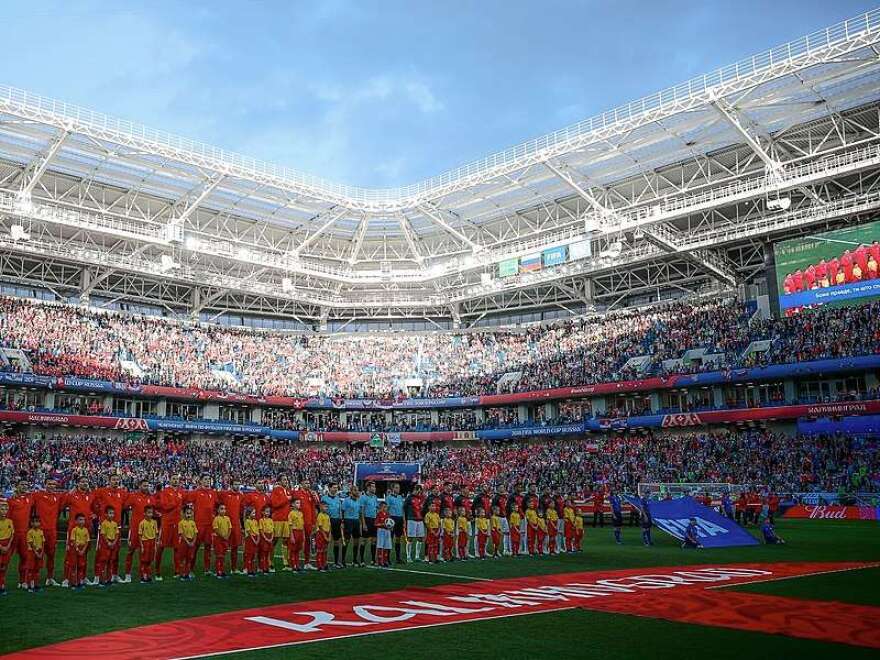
[
  {"x": 795, "y": 577},
  {"x": 452, "y": 575}
]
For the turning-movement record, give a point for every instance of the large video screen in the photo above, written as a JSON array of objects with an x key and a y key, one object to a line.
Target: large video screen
[{"x": 840, "y": 267}]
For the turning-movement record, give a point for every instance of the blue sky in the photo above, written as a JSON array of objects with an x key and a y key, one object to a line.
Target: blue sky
[{"x": 380, "y": 93}]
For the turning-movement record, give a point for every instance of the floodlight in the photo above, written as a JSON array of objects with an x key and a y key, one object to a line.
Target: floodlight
[
  {"x": 779, "y": 204},
  {"x": 18, "y": 233},
  {"x": 167, "y": 263}
]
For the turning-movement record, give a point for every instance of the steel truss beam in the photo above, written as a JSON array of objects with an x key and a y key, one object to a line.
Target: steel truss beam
[
  {"x": 436, "y": 216},
  {"x": 37, "y": 167},
  {"x": 832, "y": 46},
  {"x": 208, "y": 186}
]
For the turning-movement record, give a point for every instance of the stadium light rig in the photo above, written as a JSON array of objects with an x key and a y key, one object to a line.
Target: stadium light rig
[
  {"x": 779, "y": 204},
  {"x": 167, "y": 263},
  {"x": 19, "y": 233}
]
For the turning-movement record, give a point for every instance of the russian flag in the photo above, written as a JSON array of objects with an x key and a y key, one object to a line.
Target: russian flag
[{"x": 530, "y": 263}]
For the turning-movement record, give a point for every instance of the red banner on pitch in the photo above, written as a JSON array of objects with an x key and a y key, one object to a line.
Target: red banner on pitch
[
  {"x": 831, "y": 512},
  {"x": 369, "y": 614}
]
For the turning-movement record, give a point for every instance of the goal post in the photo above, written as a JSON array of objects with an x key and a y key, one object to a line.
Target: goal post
[{"x": 659, "y": 490}]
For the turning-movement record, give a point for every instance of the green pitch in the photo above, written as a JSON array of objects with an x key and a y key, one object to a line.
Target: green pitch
[{"x": 56, "y": 614}]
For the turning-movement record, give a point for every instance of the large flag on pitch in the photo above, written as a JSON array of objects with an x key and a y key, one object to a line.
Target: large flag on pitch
[{"x": 714, "y": 530}]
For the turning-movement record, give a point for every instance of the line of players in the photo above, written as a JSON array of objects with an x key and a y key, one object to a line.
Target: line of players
[
  {"x": 863, "y": 263},
  {"x": 434, "y": 525}
]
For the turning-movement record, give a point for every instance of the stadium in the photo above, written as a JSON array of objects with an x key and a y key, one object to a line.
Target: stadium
[{"x": 611, "y": 392}]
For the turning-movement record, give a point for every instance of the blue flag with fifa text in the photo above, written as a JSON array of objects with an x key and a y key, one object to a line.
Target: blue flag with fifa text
[{"x": 713, "y": 529}]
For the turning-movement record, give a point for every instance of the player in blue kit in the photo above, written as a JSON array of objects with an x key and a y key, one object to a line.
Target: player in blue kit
[
  {"x": 369, "y": 511},
  {"x": 727, "y": 506},
  {"x": 769, "y": 533},
  {"x": 691, "y": 535},
  {"x": 616, "y": 515},
  {"x": 647, "y": 520},
  {"x": 353, "y": 517}
]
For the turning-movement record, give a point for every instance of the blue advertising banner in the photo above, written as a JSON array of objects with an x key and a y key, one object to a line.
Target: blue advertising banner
[
  {"x": 504, "y": 434},
  {"x": 26, "y": 380},
  {"x": 713, "y": 529},
  {"x": 830, "y": 294},
  {"x": 185, "y": 426},
  {"x": 867, "y": 425},
  {"x": 92, "y": 385},
  {"x": 554, "y": 256},
  {"x": 388, "y": 472}
]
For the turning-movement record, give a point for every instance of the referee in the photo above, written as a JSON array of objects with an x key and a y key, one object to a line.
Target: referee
[
  {"x": 394, "y": 500},
  {"x": 353, "y": 518}
]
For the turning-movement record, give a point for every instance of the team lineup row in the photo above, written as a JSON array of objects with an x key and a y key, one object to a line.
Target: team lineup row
[{"x": 432, "y": 526}]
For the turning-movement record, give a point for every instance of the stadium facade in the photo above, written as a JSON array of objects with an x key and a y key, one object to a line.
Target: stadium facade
[{"x": 679, "y": 195}]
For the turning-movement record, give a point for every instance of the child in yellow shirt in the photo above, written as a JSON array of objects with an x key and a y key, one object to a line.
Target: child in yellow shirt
[
  {"x": 497, "y": 532},
  {"x": 515, "y": 532},
  {"x": 322, "y": 537},
  {"x": 222, "y": 528},
  {"x": 267, "y": 541},
  {"x": 481, "y": 525},
  {"x": 36, "y": 542},
  {"x": 185, "y": 555},
  {"x": 148, "y": 534},
  {"x": 251, "y": 541},
  {"x": 7, "y": 532},
  {"x": 464, "y": 533},
  {"x": 77, "y": 548},
  {"x": 448, "y": 524},
  {"x": 107, "y": 554},
  {"x": 432, "y": 541}
]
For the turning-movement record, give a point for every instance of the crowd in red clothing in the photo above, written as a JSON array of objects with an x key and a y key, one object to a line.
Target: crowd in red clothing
[
  {"x": 65, "y": 340},
  {"x": 789, "y": 464},
  {"x": 160, "y": 489}
]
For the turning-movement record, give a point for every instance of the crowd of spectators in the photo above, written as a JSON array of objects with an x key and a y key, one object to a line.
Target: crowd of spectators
[
  {"x": 66, "y": 340},
  {"x": 754, "y": 457}
]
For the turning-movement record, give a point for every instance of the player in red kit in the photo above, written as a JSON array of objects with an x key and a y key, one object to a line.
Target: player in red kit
[
  {"x": 20, "y": 506},
  {"x": 78, "y": 502},
  {"x": 232, "y": 499},
  {"x": 822, "y": 274},
  {"x": 204, "y": 503},
  {"x": 846, "y": 265},
  {"x": 257, "y": 499},
  {"x": 113, "y": 494},
  {"x": 599, "y": 507},
  {"x": 280, "y": 501},
  {"x": 810, "y": 277},
  {"x": 169, "y": 502},
  {"x": 47, "y": 506},
  {"x": 137, "y": 501}
]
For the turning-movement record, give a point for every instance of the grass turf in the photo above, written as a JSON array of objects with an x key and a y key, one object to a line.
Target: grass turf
[{"x": 560, "y": 635}]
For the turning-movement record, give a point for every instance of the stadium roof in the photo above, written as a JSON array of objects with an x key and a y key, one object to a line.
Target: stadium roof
[{"x": 670, "y": 190}]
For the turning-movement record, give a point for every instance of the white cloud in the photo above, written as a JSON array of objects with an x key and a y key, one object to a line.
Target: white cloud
[{"x": 330, "y": 128}]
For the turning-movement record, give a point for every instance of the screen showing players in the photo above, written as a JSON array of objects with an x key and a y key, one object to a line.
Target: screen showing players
[{"x": 837, "y": 267}]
